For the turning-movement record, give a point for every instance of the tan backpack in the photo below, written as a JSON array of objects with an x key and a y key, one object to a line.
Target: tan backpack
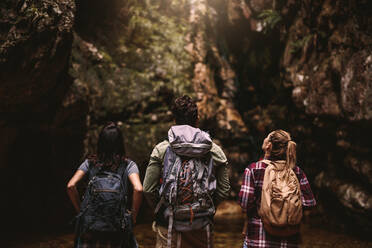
[{"x": 281, "y": 207}]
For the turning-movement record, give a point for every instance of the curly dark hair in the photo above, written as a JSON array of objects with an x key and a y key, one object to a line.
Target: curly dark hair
[{"x": 185, "y": 111}]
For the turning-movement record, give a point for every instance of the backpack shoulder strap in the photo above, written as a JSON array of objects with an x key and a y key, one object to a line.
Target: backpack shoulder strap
[
  {"x": 123, "y": 167},
  {"x": 93, "y": 170},
  {"x": 169, "y": 159},
  {"x": 266, "y": 161},
  {"x": 211, "y": 163},
  {"x": 123, "y": 172}
]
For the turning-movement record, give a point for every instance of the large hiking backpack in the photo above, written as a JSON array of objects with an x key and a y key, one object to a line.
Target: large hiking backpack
[
  {"x": 104, "y": 205},
  {"x": 188, "y": 182},
  {"x": 281, "y": 207}
]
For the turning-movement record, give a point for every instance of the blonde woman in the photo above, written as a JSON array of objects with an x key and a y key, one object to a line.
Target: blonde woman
[{"x": 278, "y": 147}]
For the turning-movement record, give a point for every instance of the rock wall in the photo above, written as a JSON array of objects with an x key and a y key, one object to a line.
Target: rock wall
[
  {"x": 35, "y": 35},
  {"x": 305, "y": 66},
  {"x": 331, "y": 77},
  {"x": 216, "y": 88},
  {"x": 40, "y": 134}
]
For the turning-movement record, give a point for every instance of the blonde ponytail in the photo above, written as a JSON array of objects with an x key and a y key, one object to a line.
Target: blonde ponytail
[{"x": 291, "y": 154}]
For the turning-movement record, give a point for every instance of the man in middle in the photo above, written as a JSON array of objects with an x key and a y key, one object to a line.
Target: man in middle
[{"x": 185, "y": 180}]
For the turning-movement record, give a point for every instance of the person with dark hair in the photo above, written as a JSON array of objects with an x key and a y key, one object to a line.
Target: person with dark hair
[
  {"x": 273, "y": 195},
  {"x": 103, "y": 218},
  {"x": 185, "y": 180},
  {"x": 185, "y": 111}
]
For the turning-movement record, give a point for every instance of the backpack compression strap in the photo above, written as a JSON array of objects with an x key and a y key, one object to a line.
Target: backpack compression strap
[{"x": 122, "y": 171}]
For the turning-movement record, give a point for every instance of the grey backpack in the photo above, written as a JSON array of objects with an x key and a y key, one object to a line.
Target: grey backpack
[{"x": 188, "y": 182}]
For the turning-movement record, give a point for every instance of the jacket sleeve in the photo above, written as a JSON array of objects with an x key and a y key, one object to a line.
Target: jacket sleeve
[
  {"x": 151, "y": 182},
  {"x": 223, "y": 183}
]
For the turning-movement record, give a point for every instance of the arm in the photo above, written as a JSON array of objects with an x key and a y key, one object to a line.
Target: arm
[
  {"x": 72, "y": 191},
  {"x": 307, "y": 196},
  {"x": 223, "y": 184},
  {"x": 137, "y": 194},
  {"x": 245, "y": 226},
  {"x": 246, "y": 197},
  {"x": 151, "y": 182}
]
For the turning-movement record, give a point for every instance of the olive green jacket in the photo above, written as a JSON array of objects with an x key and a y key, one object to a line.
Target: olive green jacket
[{"x": 151, "y": 184}]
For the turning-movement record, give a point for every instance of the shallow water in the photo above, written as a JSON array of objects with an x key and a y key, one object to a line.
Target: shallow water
[
  {"x": 228, "y": 226},
  {"x": 227, "y": 235}
]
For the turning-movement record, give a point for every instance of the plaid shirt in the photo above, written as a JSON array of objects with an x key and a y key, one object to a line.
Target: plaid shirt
[{"x": 250, "y": 199}]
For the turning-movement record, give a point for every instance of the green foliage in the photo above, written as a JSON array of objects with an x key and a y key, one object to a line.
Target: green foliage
[
  {"x": 121, "y": 79},
  {"x": 148, "y": 55},
  {"x": 270, "y": 19},
  {"x": 157, "y": 45},
  {"x": 300, "y": 43}
]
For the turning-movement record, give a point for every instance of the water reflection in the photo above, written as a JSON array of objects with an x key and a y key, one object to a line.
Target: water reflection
[{"x": 227, "y": 235}]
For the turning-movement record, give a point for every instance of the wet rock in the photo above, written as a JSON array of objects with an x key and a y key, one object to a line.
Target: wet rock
[
  {"x": 362, "y": 167},
  {"x": 350, "y": 195},
  {"x": 356, "y": 202},
  {"x": 260, "y": 5}
]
